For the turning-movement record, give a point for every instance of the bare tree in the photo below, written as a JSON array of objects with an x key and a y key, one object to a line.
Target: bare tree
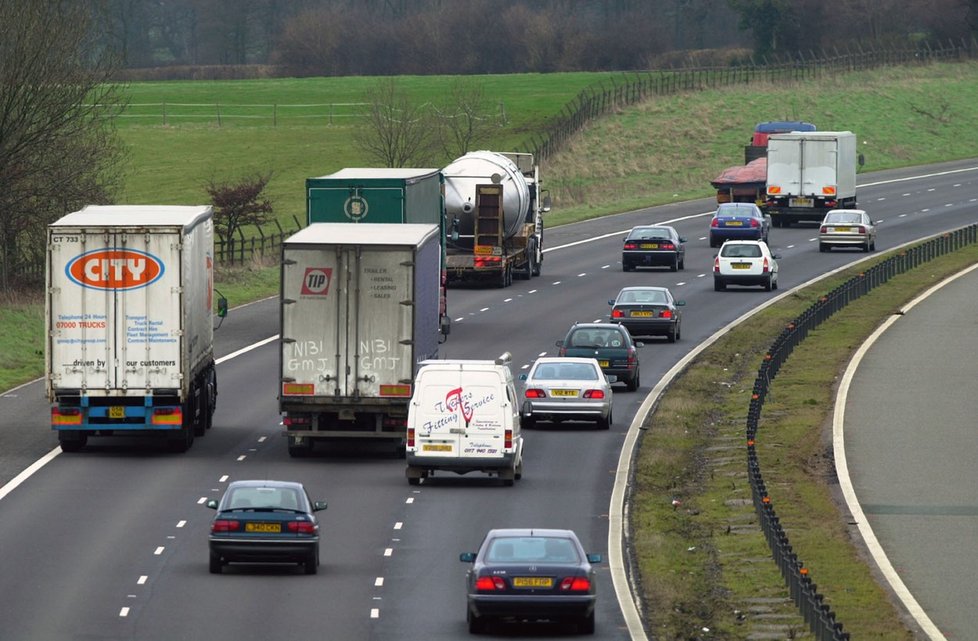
[
  {"x": 398, "y": 132},
  {"x": 58, "y": 150},
  {"x": 466, "y": 120},
  {"x": 237, "y": 204}
]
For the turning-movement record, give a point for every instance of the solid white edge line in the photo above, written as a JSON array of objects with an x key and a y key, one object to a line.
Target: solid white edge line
[
  {"x": 845, "y": 482},
  {"x": 27, "y": 473}
]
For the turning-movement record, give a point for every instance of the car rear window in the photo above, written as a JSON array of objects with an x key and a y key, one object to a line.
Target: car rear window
[
  {"x": 597, "y": 338},
  {"x": 264, "y": 497},
  {"x": 740, "y": 251},
  {"x": 532, "y": 549}
]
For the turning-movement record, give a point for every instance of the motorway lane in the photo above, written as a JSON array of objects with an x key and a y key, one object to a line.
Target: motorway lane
[
  {"x": 568, "y": 476},
  {"x": 910, "y": 445}
]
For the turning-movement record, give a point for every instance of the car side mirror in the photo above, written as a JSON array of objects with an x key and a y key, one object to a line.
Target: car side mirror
[
  {"x": 212, "y": 504},
  {"x": 318, "y": 506},
  {"x": 680, "y": 303},
  {"x": 467, "y": 557},
  {"x": 522, "y": 376},
  {"x": 559, "y": 343},
  {"x": 776, "y": 256},
  {"x": 639, "y": 344},
  {"x": 222, "y": 306},
  {"x": 594, "y": 558},
  {"x": 611, "y": 302},
  {"x": 682, "y": 239}
]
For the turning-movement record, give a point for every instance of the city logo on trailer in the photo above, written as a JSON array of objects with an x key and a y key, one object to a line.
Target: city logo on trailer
[
  {"x": 316, "y": 281},
  {"x": 115, "y": 269}
]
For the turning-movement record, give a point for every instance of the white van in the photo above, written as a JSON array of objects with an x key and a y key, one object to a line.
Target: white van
[{"x": 464, "y": 417}]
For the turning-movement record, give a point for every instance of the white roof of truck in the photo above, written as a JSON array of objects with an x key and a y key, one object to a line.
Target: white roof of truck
[
  {"x": 812, "y": 135},
  {"x": 395, "y": 173},
  {"x": 412, "y": 234},
  {"x": 135, "y": 216}
]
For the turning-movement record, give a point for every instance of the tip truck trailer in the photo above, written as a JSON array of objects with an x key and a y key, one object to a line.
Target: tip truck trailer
[
  {"x": 129, "y": 323},
  {"x": 359, "y": 311}
]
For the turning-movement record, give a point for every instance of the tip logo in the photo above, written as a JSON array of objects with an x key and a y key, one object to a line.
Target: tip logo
[
  {"x": 315, "y": 282},
  {"x": 114, "y": 269}
]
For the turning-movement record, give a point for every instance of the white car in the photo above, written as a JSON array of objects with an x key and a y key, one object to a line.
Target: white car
[
  {"x": 847, "y": 228},
  {"x": 564, "y": 388},
  {"x": 745, "y": 262}
]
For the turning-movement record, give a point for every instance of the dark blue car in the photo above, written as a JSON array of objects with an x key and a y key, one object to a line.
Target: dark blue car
[{"x": 739, "y": 221}]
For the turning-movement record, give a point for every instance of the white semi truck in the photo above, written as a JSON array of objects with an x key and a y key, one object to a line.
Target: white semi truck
[
  {"x": 809, "y": 173},
  {"x": 359, "y": 311},
  {"x": 130, "y": 323}
]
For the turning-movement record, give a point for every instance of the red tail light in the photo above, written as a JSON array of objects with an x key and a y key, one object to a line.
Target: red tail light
[
  {"x": 167, "y": 416},
  {"x": 632, "y": 356},
  {"x": 66, "y": 416},
  {"x": 668, "y": 245},
  {"x": 410, "y": 437},
  {"x": 862, "y": 230},
  {"x": 302, "y": 527},
  {"x": 716, "y": 264},
  {"x": 508, "y": 440},
  {"x": 754, "y": 222},
  {"x": 489, "y": 584},
  {"x": 594, "y": 393},
  {"x": 225, "y": 525},
  {"x": 666, "y": 313},
  {"x": 766, "y": 266},
  {"x": 631, "y": 245},
  {"x": 296, "y": 420},
  {"x": 535, "y": 393},
  {"x": 575, "y": 584},
  {"x": 715, "y": 222},
  {"x": 617, "y": 313},
  {"x": 823, "y": 229}
]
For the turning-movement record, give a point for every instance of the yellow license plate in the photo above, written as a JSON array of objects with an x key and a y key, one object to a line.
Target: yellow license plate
[
  {"x": 602, "y": 363},
  {"x": 437, "y": 447},
  {"x": 533, "y": 582},
  {"x": 843, "y": 229},
  {"x": 563, "y": 392},
  {"x": 800, "y": 202},
  {"x": 263, "y": 527},
  {"x": 740, "y": 265},
  {"x": 649, "y": 246},
  {"x": 117, "y": 411},
  {"x": 642, "y": 314},
  {"x": 734, "y": 223}
]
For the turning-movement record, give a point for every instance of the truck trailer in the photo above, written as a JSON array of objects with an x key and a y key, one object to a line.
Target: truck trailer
[
  {"x": 494, "y": 208},
  {"x": 809, "y": 173},
  {"x": 129, "y": 323},
  {"x": 383, "y": 195},
  {"x": 359, "y": 310}
]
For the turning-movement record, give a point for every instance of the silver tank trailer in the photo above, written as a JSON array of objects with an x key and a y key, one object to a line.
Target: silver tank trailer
[{"x": 481, "y": 168}]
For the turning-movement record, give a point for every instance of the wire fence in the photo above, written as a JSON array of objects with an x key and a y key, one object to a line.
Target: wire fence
[
  {"x": 801, "y": 586},
  {"x": 238, "y": 249},
  {"x": 221, "y": 114},
  {"x": 603, "y": 99}
]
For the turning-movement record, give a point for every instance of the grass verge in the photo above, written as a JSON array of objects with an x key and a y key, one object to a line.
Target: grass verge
[{"x": 705, "y": 564}]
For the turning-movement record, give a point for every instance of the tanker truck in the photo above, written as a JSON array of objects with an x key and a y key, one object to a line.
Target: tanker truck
[{"x": 494, "y": 207}]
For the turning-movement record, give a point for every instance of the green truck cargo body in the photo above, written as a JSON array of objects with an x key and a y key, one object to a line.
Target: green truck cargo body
[{"x": 376, "y": 195}]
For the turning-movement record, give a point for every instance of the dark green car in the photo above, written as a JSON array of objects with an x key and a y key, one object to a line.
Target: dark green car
[{"x": 611, "y": 344}]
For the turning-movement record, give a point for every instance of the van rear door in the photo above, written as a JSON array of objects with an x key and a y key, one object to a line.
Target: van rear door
[{"x": 459, "y": 414}]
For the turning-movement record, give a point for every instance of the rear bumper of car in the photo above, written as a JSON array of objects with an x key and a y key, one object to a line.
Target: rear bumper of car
[
  {"x": 648, "y": 327},
  {"x": 843, "y": 239},
  {"x": 263, "y": 551},
  {"x": 649, "y": 258},
  {"x": 743, "y": 279},
  {"x": 535, "y": 607},
  {"x": 584, "y": 411},
  {"x": 736, "y": 233}
]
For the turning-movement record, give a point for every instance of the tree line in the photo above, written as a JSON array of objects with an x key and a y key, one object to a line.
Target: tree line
[{"x": 393, "y": 37}]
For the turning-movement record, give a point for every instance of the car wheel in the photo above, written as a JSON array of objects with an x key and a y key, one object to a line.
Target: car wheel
[
  {"x": 673, "y": 334},
  {"x": 518, "y": 473},
  {"x": 682, "y": 263},
  {"x": 216, "y": 566},
  {"x": 604, "y": 423},
  {"x": 822, "y": 247},
  {"x": 866, "y": 247},
  {"x": 586, "y": 626},
  {"x": 633, "y": 382},
  {"x": 774, "y": 285},
  {"x": 718, "y": 285},
  {"x": 311, "y": 564},
  {"x": 299, "y": 448},
  {"x": 679, "y": 331},
  {"x": 477, "y": 625},
  {"x": 674, "y": 267},
  {"x": 873, "y": 245},
  {"x": 528, "y": 422},
  {"x": 769, "y": 285},
  {"x": 625, "y": 267}
]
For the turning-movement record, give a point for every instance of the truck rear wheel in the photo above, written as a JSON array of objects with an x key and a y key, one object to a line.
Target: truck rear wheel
[
  {"x": 72, "y": 440},
  {"x": 299, "y": 447}
]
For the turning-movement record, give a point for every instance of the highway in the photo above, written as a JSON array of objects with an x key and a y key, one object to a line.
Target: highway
[
  {"x": 111, "y": 543},
  {"x": 906, "y": 424}
]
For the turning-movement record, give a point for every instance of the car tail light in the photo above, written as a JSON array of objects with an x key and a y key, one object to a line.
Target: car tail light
[
  {"x": 632, "y": 356},
  {"x": 823, "y": 229},
  {"x": 508, "y": 439},
  {"x": 575, "y": 584},
  {"x": 715, "y": 222},
  {"x": 66, "y": 416},
  {"x": 617, "y": 313},
  {"x": 167, "y": 416},
  {"x": 862, "y": 230},
  {"x": 594, "y": 393},
  {"x": 765, "y": 267},
  {"x": 296, "y": 420},
  {"x": 666, "y": 313},
  {"x": 535, "y": 393},
  {"x": 225, "y": 525},
  {"x": 489, "y": 584},
  {"x": 631, "y": 245},
  {"x": 410, "y": 437},
  {"x": 302, "y": 527},
  {"x": 716, "y": 264},
  {"x": 754, "y": 222},
  {"x": 668, "y": 245}
]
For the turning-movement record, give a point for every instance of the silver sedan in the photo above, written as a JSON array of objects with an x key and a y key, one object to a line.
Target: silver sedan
[
  {"x": 566, "y": 389},
  {"x": 847, "y": 228}
]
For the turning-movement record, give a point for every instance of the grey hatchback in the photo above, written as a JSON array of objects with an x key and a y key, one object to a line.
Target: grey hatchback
[{"x": 610, "y": 344}]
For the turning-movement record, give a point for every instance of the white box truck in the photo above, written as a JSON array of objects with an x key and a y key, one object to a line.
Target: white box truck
[
  {"x": 359, "y": 311},
  {"x": 129, "y": 323},
  {"x": 809, "y": 173},
  {"x": 464, "y": 417}
]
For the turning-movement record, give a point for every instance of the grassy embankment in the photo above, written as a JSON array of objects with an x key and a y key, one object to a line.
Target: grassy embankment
[{"x": 695, "y": 575}]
